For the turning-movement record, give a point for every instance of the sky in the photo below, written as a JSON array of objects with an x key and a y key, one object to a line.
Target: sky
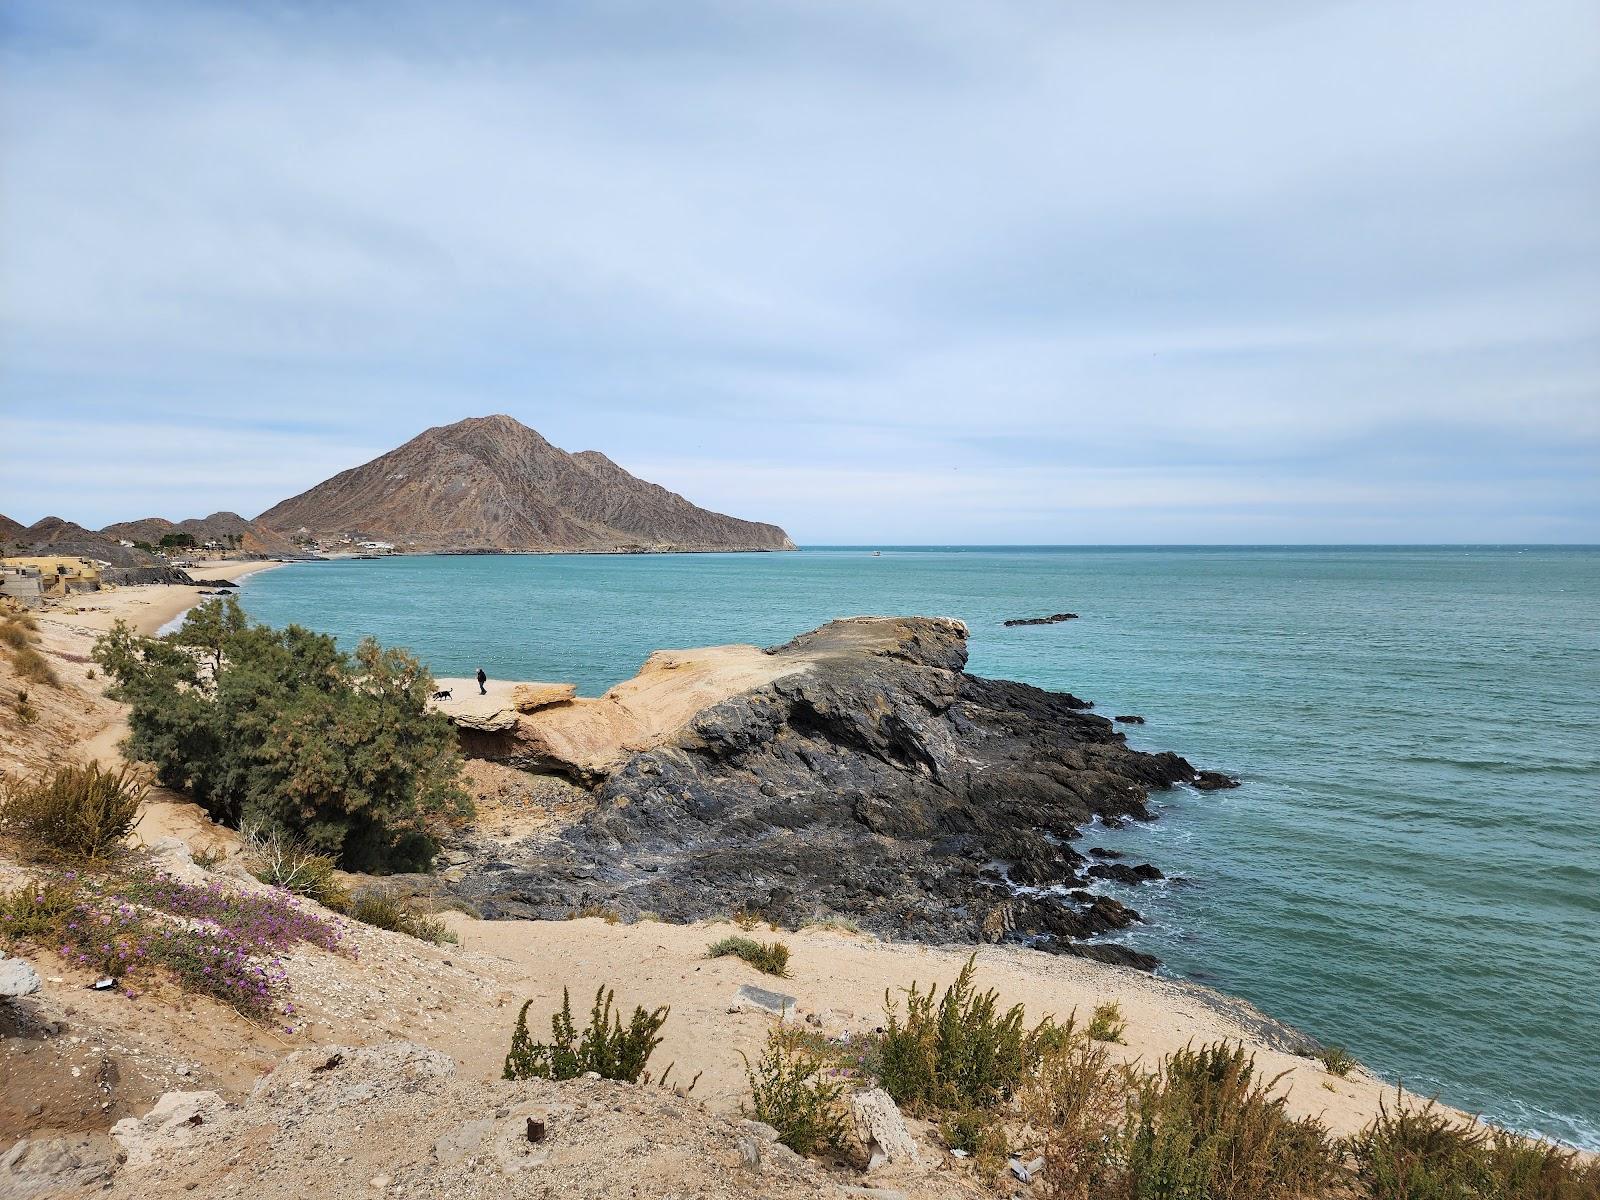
[{"x": 897, "y": 271}]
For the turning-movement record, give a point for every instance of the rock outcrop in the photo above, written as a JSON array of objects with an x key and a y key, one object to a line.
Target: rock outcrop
[
  {"x": 491, "y": 483},
  {"x": 862, "y": 773},
  {"x": 1052, "y": 619}
]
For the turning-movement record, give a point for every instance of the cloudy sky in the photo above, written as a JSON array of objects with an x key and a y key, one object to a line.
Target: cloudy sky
[{"x": 878, "y": 270}]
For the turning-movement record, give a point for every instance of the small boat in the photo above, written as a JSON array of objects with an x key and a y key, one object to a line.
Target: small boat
[{"x": 877, "y": 554}]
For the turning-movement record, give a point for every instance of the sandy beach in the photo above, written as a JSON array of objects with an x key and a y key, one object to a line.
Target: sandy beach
[{"x": 148, "y": 607}]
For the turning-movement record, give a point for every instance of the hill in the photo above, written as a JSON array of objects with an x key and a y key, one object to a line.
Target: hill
[
  {"x": 218, "y": 527},
  {"x": 53, "y": 535},
  {"x": 492, "y": 483}
]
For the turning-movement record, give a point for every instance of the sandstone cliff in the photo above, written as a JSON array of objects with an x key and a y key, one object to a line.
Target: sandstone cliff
[{"x": 491, "y": 483}]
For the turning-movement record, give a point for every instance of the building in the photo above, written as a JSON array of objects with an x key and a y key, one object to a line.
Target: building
[{"x": 34, "y": 577}]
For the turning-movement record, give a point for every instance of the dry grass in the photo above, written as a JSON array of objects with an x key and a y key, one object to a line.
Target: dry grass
[
  {"x": 34, "y": 667},
  {"x": 79, "y": 812}
]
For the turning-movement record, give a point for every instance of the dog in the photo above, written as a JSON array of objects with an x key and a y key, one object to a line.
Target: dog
[{"x": 443, "y": 694}]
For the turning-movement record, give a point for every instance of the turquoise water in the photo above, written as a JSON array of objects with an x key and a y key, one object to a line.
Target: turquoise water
[{"x": 1412, "y": 867}]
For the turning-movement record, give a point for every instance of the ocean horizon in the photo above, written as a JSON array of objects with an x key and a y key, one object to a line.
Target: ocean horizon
[{"x": 1405, "y": 870}]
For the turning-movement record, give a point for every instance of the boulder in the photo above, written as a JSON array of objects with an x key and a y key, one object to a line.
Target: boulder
[
  {"x": 486, "y": 720},
  {"x": 531, "y": 697},
  {"x": 170, "y": 1123},
  {"x": 1129, "y": 719},
  {"x": 17, "y": 978},
  {"x": 882, "y": 1129},
  {"x": 1213, "y": 781},
  {"x": 44, "y": 1167},
  {"x": 751, "y": 997}
]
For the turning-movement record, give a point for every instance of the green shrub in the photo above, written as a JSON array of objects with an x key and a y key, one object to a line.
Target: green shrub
[
  {"x": 606, "y": 1047},
  {"x": 1419, "y": 1152},
  {"x": 1522, "y": 1168},
  {"x": 1202, "y": 1126},
  {"x": 34, "y": 667},
  {"x": 957, "y": 1053},
  {"x": 979, "y": 1132},
  {"x": 79, "y": 811},
  {"x": 36, "y": 910},
  {"x": 1107, "y": 1024},
  {"x": 385, "y": 909},
  {"x": 1336, "y": 1060},
  {"x": 1077, "y": 1100},
  {"x": 771, "y": 957},
  {"x": 281, "y": 729},
  {"x": 791, "y": 1090}
]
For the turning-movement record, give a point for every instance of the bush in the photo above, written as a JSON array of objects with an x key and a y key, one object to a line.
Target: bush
[
  {"x": 385, "y": 909},
  {"x": 12, "y": 634},
  {"x": 278, "y": 859},
  {"x": 225, "y": 947},
  {"x": 282, "y": 730},
  {"x": 1202, "y": 1126},
  {"x": 606, "y": 1047},
  {"x": 599, "y": 911},
  {"x": 1076, "y": 1099},
  {"x": 791, "y": 1090},
  {"x": 1336, "y": 1060},
  {"x": 771, "y": 957},
  {"x": 34, "y": 667},
  {"x": 1107, "y": 1024},
  {"x": 36, "y": 910},
  {"x": 81, "y": 812},
  {"x": 1417, "y": 1152},
  {"x": 961, "y": 1053},
  {"x": 979, "y": 1132}
]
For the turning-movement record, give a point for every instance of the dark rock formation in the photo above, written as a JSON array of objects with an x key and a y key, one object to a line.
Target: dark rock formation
[
  {"x": 1214, "y": 781},
  {"x": 1129, "y": 719},
  {"x": 881, "y": 782},
  {"x": 1122, "y": 873},
  {"x": 1053, "y": 619}
]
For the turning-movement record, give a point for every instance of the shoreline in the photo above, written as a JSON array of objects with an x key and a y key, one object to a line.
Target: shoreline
[{"x": 149, "y": 606}]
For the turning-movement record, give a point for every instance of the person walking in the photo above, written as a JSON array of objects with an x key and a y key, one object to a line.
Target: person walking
[{"x": 482, "y": 679}]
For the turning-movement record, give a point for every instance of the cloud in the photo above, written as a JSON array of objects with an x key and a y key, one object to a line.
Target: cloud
[{"x": 821, "y": 242}]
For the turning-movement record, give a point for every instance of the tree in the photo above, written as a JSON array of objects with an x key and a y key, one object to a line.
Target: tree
[
  {"x": 184, "y": 540},
  {"x": 281, "y": 729}
]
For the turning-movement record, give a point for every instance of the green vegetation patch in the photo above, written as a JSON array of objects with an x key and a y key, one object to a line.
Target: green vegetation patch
[{"x": 770, "y": 957}]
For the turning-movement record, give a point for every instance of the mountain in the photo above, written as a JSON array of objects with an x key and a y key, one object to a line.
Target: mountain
[
  {"x": 52, "y": 535},
  {"x": 10, "y": 531},
  {"x": 491, "y": 483},
  {"x": 218, "y": 527}
]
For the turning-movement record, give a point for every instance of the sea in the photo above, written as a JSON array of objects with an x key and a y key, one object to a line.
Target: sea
[{"x": 1411, "y": 868}]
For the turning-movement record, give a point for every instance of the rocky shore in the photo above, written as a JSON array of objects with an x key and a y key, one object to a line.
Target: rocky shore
[{"x": 857, "y": 772}]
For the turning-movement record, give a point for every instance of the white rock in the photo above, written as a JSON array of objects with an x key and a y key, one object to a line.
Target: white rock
[
  {"x": 173, "y": 1121},
  {"x": 883, "y": 1129},
  {"x": 17, "y": 978}
]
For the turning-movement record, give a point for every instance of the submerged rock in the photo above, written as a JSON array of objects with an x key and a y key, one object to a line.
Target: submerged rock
[
  {"x": 1213, "y": 781},
  {"x": 865, "y": 774}
]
